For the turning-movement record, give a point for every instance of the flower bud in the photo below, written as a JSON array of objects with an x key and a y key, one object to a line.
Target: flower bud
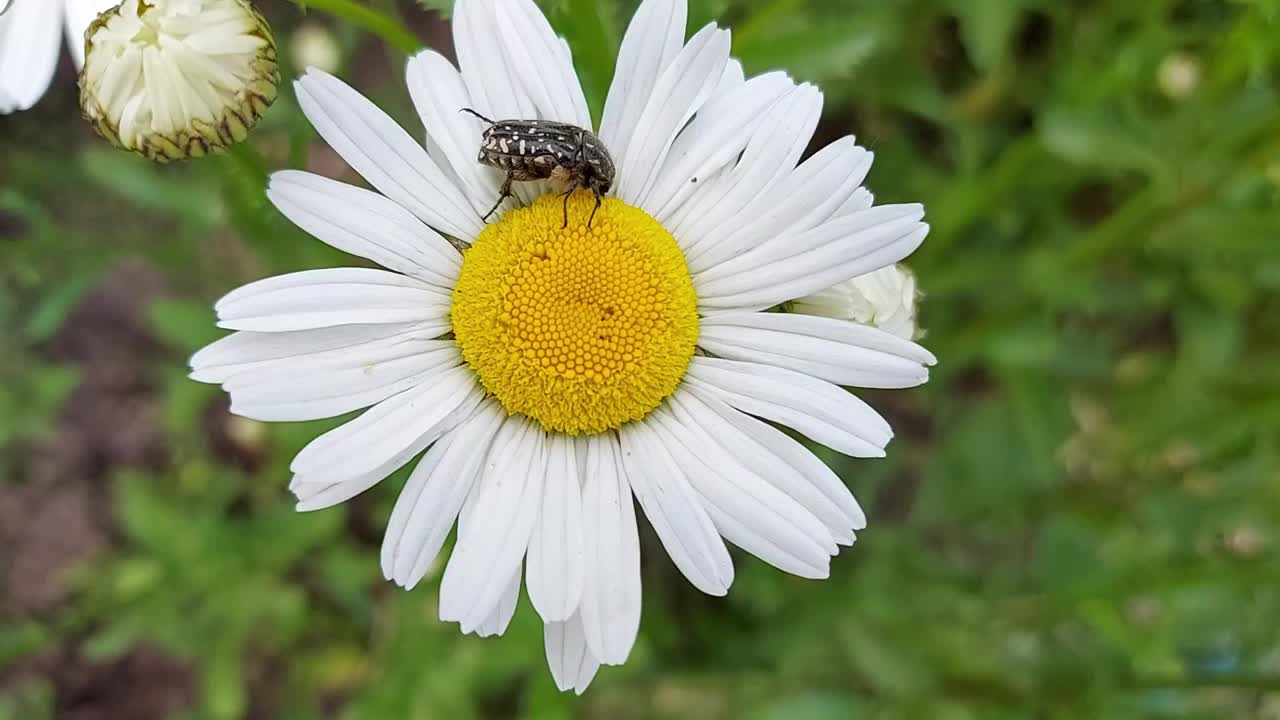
[
  {"x": 313, "y": 45},
  {"x": 1179, "y": 75},
  {"x": 173, "y": 79},
  {"x": 885, "y": 299}
]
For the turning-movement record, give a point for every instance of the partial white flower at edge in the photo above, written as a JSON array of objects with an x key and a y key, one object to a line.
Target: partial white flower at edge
[
  {"x": 551, "y": 374},
  {"x": 885, "y": 299},
  {"x": 31, "y": 36}
]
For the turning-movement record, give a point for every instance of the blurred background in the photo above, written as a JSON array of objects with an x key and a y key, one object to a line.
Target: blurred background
[{"x": 1079, "y": 517}]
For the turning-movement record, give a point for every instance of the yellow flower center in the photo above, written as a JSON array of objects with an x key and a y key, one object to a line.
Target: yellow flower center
[{"x": 580, "y": 328}]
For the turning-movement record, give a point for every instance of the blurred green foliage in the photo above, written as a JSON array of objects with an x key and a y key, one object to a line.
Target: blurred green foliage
[{"x": 1079, "y": 517}]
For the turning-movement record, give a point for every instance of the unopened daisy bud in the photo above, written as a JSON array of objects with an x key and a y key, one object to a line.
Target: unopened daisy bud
[
  {"x": 885, "y": 299},
  {"x": 313, "y": 45},
  {"x": 173, "y": 79},
  {"x": 1179, "y": 75}
]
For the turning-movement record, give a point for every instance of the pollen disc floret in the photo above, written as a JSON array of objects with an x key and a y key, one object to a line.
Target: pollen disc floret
[
  {"x": 172, "y": 79},
  {"x": 580, "y": 328}
]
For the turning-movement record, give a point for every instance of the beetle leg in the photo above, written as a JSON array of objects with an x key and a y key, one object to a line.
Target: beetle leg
[
  {"x": 572, "y": 187},
  {"x": 506, "y": 193},
  {"x": 594, "y": 209}
]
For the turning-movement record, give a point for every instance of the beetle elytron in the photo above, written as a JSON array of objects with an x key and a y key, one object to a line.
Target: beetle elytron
[{"x": 541, "y": 150}]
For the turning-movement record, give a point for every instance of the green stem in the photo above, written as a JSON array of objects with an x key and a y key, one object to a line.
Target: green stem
[
  {"x": 390, "y": 29},
  {"x": 247, "y": 158}
]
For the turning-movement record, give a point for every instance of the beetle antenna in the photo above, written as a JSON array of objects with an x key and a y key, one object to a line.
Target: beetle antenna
[{"x": 473, "y": 112}]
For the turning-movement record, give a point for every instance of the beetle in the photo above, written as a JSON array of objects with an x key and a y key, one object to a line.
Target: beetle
[{"x": 543, "y": 149}]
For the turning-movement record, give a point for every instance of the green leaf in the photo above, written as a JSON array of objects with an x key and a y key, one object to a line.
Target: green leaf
[
  {"x": 148, "y": 186},
  {"x": 987, "y": 28},
  {"x": 183, "y": 324}
]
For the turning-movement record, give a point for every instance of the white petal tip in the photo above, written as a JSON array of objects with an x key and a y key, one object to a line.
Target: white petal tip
[
  {"x": 202, "y": 375},
  {"x": 557, "y": 614}
]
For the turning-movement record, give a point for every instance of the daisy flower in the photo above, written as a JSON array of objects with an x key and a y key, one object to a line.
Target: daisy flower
[
  {"x": 552, "y": 370},
  {"x": 30, "y": 37}
]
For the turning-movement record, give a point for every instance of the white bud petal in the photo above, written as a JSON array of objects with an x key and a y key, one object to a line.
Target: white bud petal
[{"x": 885, "y": 299}]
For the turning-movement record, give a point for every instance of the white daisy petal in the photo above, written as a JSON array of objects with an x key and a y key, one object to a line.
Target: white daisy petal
[
  {"x": 556, "y": 549},
  {"x": 245, "y": 352},
  {"x": 860, "y": 200},
  {"x": 610, "y": 608},
  {"x": 800, "y": 112},
  {"x": 494, "y": 91},
  {"x": 392, "y": 431},
  {"x": 580, "y": 97},
  {"x": 777, "y": 458},
  {"x": 535, "y": 59},
  {"x": 802, "y": 275},
  {"x": 321, "y": 490},
  {"x": 810, "y": 195},
  {"x": 314, "y": 496},
  {"x": 737, "y": 526},
  {"x": 318, "y": 489},
  {"x": 499, "y": 619},
  {"x": 798, "y": 265},
  {"x": 773, "y": 149},
  {"x": 714, "y": 138},
  {"x": 732, "y": 77},
  {"x": 431, "y": 499},
  {"x": 652, "y": 41},
  {"x": 825, "y": 413},
  {"x": 30, "y": 38},
  {"x": 675, "y": 510},
  {"x": 365, "y": 224},
  {"x": 838, "y": 351},
  {"x": 324, "y": 298},
  {"x": 381, "y": 151},
  {"x": 353, "y": 380},
  {"x": 680, "y": 91},
  {"x": 572, "y": 664},
  {"x": 747, "y": 511},
  {"x": 439, "y": 95},
  {"x": 493, "y": 537},
  {"x": 869, "y": 228}
]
